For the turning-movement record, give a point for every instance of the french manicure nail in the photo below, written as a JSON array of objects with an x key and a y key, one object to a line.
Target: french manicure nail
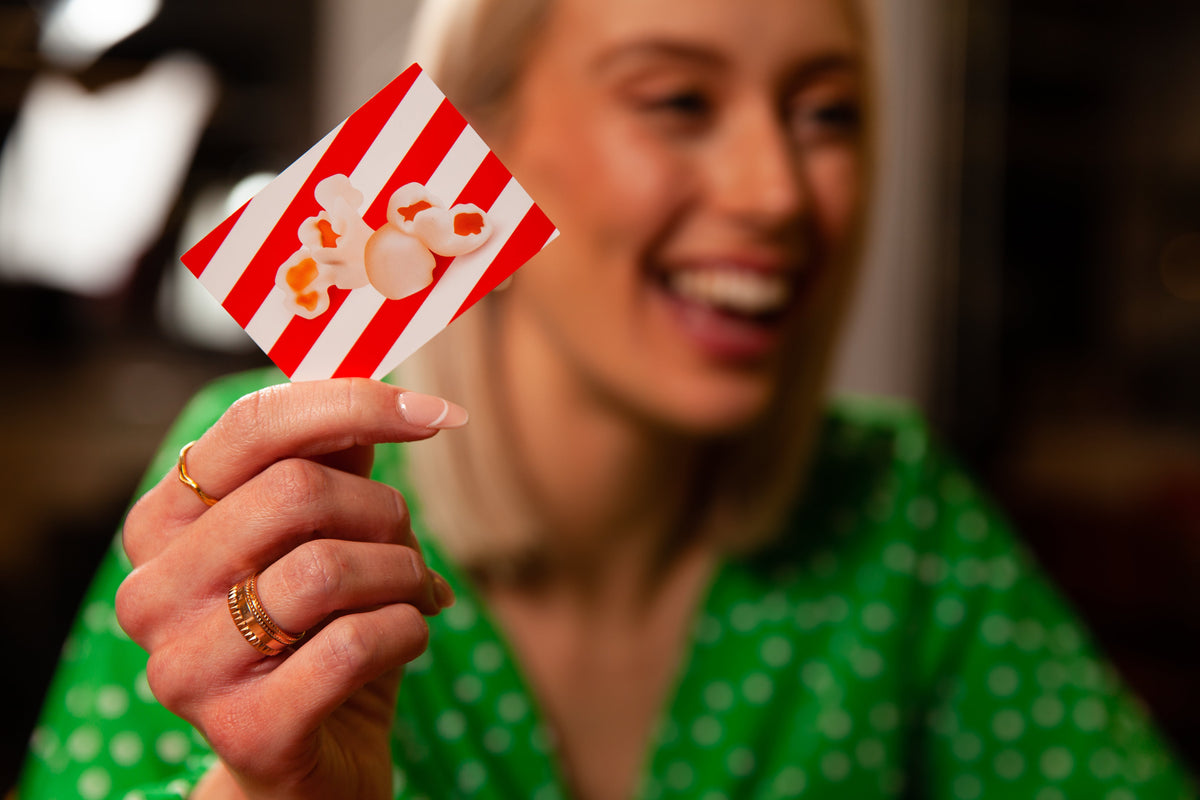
[{"x": 428, "y": 411}]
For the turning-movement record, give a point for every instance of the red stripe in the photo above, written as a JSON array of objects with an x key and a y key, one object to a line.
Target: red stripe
[
  {"x": 344, "y": 153},
  {"x": 394, "y": 316},
  {"x": 529, "y": 237},
  {"x": 486, "y": 184},
  {"x": 300, "y": 333},
  {"x": 418, "y": 164},
  {"x": 197, "y": 258}
]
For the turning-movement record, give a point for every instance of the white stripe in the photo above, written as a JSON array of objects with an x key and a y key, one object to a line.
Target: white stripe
[
  {"x": 270, "y": 319},
  {"x": 255, "y": 224},
  {"x": 394, "y": 140},
  {"x": 460, "y": 278},
  {"x": 455, "y": 170},
  {"x": 458, "y": 167}
]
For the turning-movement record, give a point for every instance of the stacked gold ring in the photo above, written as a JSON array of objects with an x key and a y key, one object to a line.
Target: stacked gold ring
[{"x": 253, "y": 621}]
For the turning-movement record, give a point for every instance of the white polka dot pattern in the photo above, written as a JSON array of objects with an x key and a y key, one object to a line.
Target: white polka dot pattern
[{"x": 896, "y": 623}]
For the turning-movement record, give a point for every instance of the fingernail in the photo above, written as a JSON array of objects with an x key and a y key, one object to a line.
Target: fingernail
[
  {"x": 427, "y": 411},
  {"x": 442, "y": 591}
]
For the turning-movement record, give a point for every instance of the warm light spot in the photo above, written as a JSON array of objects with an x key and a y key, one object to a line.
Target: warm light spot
[
  {"x": 468, "y": 224},
  {"x": 302, "y": 275},
  {"x": 408, "y": 212},
  {"x": 329, "y": 236},
  {"x": 308, "y": 300}
]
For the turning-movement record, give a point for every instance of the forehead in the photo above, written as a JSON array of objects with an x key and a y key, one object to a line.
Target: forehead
[{"x": 749, "y": 30}]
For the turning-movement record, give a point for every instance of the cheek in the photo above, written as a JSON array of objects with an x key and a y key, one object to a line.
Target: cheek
[
  {"x": 835, "y": 183},
  {"x": 607, "y": 186}
]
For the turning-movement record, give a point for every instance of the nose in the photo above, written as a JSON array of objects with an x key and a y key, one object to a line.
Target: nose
[{"x": 756, "y": 172}]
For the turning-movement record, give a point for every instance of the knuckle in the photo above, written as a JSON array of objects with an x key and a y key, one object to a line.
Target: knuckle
[
  {"x": 359, "y": 646},
  {"x": 413, "y": 567},
  {"x": 345, "y": 647},
  {"x": 245, "y": 414},
  {"x": 132, "y": 531},
  {"x": 295, "y": 482},
  {"x": 317, "y": 568},
  {"x": 359, "y": 395},
  {"x": 146, "y": 521},
  {"x": 400, "y": 513},
  {"x": 169, "y": 684},
  {"x": 252, "y": 417},
  {"x": 354, "y": 392},
  {"x": 130, "y": 607}
]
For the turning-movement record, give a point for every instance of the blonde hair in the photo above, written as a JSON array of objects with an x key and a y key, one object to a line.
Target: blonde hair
[{"x": 471, "y": 495}]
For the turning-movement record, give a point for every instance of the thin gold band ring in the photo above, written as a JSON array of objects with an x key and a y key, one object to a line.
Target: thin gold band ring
[{"x": 188, "y": 481}]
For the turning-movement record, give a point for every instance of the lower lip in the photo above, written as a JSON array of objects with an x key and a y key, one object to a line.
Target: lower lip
[{"x": 724, "y": 337}]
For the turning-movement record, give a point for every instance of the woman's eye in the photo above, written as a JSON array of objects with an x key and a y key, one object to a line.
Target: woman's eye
[
  {"x": 679, "y": 113},
  {"x": 684, "y": 103},
  {"x": 827, "y": 121},
  {"x": 841, "y": 115}
]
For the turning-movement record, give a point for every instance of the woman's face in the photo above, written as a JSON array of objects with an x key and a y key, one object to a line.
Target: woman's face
[{"x": 702, "y": 161}]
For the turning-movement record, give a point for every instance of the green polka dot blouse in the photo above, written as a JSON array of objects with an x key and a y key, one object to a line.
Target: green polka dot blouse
[{"x": 896, "y": 642}]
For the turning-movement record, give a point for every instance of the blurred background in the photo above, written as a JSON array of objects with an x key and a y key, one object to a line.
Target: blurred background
[{"x": 1034, "y": 276}]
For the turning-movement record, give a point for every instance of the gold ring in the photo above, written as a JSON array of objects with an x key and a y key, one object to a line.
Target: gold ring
[
  {"x": 186, "y": 480},
  {"x": 253, "y": 621}
]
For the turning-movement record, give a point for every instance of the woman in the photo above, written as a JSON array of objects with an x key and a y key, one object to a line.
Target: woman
[{"x": 674, "y": 574}]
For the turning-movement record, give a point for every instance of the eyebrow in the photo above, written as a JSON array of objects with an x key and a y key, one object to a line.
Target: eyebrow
[
  {"x": 808, "y": 67},
  {"x": 650, "y": 48}
]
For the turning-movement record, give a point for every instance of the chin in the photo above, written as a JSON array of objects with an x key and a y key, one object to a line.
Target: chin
[{"x": 717, "y": 408}]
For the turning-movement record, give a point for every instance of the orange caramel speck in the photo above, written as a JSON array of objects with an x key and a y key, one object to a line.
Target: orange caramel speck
[
  {"x": 329, "y": 237},
  {"x": 408, "y": 212},
  {"x": 302, "y": 274},
  {"x": 468, "y": 224},
  {"x": 308, "y": 300}
]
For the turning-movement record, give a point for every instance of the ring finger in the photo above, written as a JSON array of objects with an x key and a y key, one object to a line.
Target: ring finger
[
  {"x": 306, "y": 588},
  {"x": 325, "y": 577}
]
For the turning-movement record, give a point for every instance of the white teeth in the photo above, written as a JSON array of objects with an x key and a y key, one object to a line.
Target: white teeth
[{"x": 741, "y": 291}]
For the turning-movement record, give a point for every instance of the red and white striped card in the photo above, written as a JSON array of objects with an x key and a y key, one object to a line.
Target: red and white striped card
[{"x": 374, "y": 240}]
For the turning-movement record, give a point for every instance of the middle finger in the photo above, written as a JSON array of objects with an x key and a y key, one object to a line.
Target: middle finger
[{"x": 292, "y": 502}]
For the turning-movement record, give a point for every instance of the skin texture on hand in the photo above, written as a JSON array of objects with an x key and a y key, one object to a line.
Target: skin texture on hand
[{"x": 337, "y": 559}]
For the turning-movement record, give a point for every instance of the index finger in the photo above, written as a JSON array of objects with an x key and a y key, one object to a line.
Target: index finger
[{"x": 311, "y": 419}]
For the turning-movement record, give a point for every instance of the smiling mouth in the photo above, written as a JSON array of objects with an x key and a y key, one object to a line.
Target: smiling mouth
[{"x": 749, "y": 294}]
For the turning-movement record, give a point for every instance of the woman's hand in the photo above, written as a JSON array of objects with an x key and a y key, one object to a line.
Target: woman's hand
[{"x": 337, "y": 558}]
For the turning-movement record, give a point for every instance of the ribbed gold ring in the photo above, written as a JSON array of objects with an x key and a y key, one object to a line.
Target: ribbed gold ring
[
  {"x": 252, "y": 620},
  {"x": 186, "y": 480},
  {"x": 263, "y": 618}
]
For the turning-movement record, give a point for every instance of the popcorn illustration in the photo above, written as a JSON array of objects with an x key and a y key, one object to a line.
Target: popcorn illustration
[
  {"x": 452, "y": 232},
  {"x": 305, "y": 284},
  {"x": 398, "y": 264},
  {"x": 332, "y": 248},
  {"x": 337, "y": 235},
  {"x": 398, "y": 257},
  {"x": 349, "y": 260},
  {"x": 407, "y": 202}
]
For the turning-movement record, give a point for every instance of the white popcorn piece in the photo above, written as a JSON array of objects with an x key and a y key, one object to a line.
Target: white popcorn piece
[
  {"x": 452, "y": 232},
  {"x": 337, "y": 235},
  {"x": 397, "y": 264},
  {"x": 305, "y": 284},
  {"x": 407, "y": 202}
]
